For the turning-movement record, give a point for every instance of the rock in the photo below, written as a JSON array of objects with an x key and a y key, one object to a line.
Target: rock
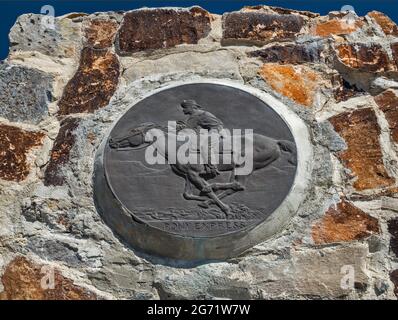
[
  {"x": 329, "y": 269},
  {"x": 337, "y": 27},
  {"x": 298, "y": 83},
  {"x": 71, "y": 84},
  {"x": 388, "y": 103},
  {"x": 393, "y": 230},
  {"x": 381, "y": 84},
  {"x": 271, "y": 9},
  {"x": 15, "y": 146},
  {"x": 54, "y": 250},
  {"x": 24, "y": 93},
  {"x": 93, "y": 84},
  {"x": 148, "y": 29},
  {"x": 344, "y": 222},
  {"x": 290, "y": 53},
  {"x": 364, "y": 57},
  {"x": 386, "y": 24},
  {"x": 54, "y": 213},
  {"x": 363, "y": 155},
  {"x": 381, "y": 287},
  {"x": 60, "y": 152},
  {"x": 22, "y": 280},
  {"x": 34, "y": 32},
  {"x": 100, "y": 33},
  {"x": 394, "y": 280},
  {"x": 345, "y": 90},
  {"x": 206, "y": 64},
  {"x": 258, "y": 27},
  {"x": 394, "y": 49}
]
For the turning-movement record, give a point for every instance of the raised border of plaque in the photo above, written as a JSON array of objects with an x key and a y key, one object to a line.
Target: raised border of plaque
[{"x": 145, "y": 238}]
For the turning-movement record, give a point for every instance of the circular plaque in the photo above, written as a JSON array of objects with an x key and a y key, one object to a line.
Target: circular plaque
[{"x": 228, "y": 196}]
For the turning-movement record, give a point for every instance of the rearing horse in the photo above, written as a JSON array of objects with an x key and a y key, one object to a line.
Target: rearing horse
[{"x": 265, "y": 151}]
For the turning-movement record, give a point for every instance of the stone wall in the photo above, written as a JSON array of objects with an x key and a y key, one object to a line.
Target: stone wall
[{"x": 62, "y": 88}]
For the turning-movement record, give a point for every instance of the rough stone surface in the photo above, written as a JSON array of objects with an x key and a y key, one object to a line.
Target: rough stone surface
[
  {"x": 364, "y": 57},
  {"x": 58, "y": 38},
  {"x": 24, "y": 93},
  {"x": 15, "y": 145},
  {"x": 394, "y": 279},
  {"x": 162, "y": 28},
  {"x": 94, "y": 83},
  {"x": 60, "y": 152},
  {"x": 298, "y": 83},
  {"x": 363, "y": 155},
  {"x": 337, "y": 27},
  {"x": 205, "y": 64},
  {"x": 260, "y": 27},
  {"x": 393, "y": 230},
  {"x": 344, "y": 222},
  {"x": 22, "y": 280},
  {"x": 69, "y": 84},
  {"x": 290, "y": 53},
  {"x": 388, "y": 26},
  {"x": 100, "y": 33},
  {"x": 388, "y": 103},
  {"x": 345, "y": 91},
  {"x": 394, "y": 49}
]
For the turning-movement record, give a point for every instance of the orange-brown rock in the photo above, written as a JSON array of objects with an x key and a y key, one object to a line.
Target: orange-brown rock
[
  {"x": 60, "y": 152},
  {"x": 386, "y": 24},
  {"x": 298, "y": 83},
  {"x": 162, "y": 28},
  {"x": 394, "y": 49},
  {"x": 344, "y": 90},
  {"x": 22, "y": 280},
  {"x": 388, "y": 103},
  {"x": 364, "y": 57},
  {"x": 344, "y": 222},
  {"x": 260, "y": 27},
  {"x": 93, "y": 84},
  {"x": 15, "y": 145},
  {"x": 363, "y": 156},
  {"x": 100, "y": 33},
  {"x": 336, "y": 27}
]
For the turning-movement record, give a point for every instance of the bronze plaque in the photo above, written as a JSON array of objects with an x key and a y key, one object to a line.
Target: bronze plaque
[{"x": 214, "y": 194}]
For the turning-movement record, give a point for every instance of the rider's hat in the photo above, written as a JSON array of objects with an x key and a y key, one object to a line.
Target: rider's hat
[{"x": 187, "y": 103}]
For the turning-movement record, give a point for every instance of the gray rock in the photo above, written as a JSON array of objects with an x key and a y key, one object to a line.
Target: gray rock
[
  {"x": 34, "y": 32},
  {"x": 24, "y": 94},
  {"x": 54, "y": 250}
]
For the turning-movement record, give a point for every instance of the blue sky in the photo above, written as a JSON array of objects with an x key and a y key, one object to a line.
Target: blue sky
[{"x": 10, "y": 10}]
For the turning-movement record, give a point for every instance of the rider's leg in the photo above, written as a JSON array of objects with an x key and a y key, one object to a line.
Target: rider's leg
[{"x": 204, "y": 187}]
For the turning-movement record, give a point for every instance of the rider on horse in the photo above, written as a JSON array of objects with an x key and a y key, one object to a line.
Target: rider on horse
[{"x": 201, "y": 119}]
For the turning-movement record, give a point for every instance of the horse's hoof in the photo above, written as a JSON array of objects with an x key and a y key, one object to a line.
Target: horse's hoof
[
  {"x": 203, "y": 205},
  {"x": 226, "y": 209}
]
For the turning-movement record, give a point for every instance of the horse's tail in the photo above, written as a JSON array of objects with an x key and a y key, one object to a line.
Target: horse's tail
[{"x": 289, "y": 147}]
